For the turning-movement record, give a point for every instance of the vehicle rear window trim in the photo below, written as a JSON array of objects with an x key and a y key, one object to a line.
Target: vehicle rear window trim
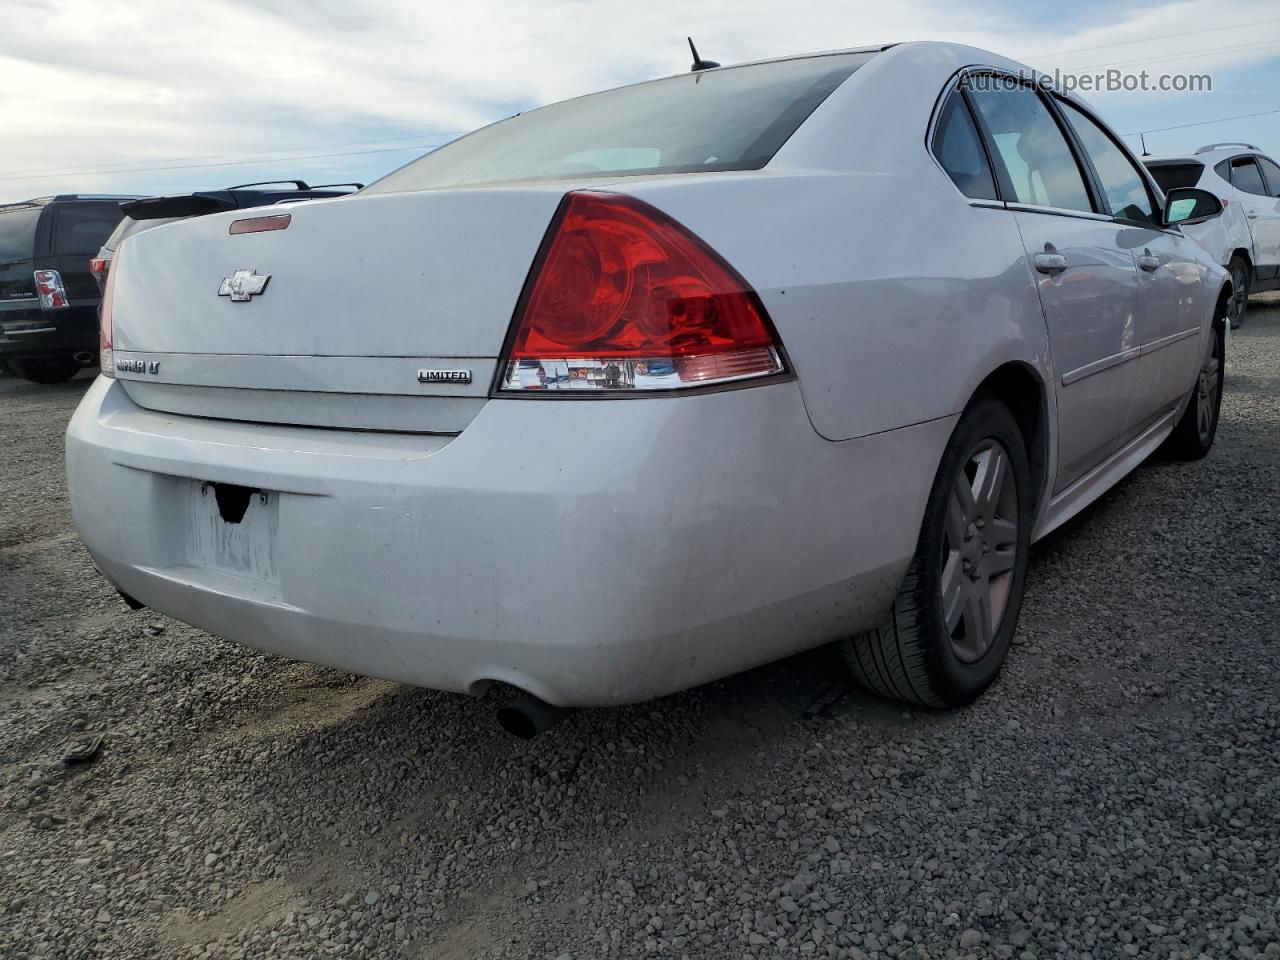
[{"x": 953, "y": 89}]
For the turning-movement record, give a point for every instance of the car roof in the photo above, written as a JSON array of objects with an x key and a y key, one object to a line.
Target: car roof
[
  {"x": 961, "y": 54},
  {"x": 68, "y": 198},
  {"x": 1208, "y": 154}
]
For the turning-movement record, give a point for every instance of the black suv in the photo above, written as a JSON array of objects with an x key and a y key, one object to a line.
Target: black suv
[
  {"x": 151, "y": 212},
  {"x": 48, "y": 297}
]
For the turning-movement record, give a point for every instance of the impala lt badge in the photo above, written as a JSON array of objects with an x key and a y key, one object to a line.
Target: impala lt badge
[
  {"x": 444, "y": 376},
  {"x": 242, "y": 285},
  {"x": 126, "y": 365}
]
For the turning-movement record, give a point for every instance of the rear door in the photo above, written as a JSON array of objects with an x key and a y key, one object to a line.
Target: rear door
[
  {"x": 1085, "y": 270},
  {"x": 1263, "y": 213},
  {"x": 1168, "y": 272}
]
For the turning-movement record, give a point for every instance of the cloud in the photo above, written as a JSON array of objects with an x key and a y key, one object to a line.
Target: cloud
[{"x": 89, "y": 86}]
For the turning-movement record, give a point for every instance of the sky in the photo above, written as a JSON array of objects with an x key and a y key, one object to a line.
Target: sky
[{"x": 169, "y": 96}]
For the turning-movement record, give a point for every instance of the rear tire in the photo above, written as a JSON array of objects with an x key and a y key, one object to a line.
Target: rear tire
[
  {"x": 46, "y": 371},
  {"x": 1241, "y": 281},
  {"x": 952, "y": 622},
  {"x": 1193, "y": 437}
]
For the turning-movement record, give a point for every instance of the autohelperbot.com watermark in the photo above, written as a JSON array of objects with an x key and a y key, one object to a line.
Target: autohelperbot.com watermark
[{"x": 1103, "y": 81}]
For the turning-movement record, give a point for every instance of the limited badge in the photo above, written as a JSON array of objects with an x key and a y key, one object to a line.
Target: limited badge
[{"x": 444, "y": 376}]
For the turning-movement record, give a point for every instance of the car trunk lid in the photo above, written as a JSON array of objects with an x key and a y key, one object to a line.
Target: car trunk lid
[{"x": 372, "y": 312}]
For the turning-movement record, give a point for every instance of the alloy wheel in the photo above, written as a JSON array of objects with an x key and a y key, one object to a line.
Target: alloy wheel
[
  {"x": 1207, "y": 391},
  {"x": 1239, "y": 296},
  {"x": 979, "y": 550}
]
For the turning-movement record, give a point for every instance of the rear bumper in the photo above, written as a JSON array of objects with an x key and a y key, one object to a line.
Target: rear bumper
[
  {"x": 590, "y": 552},
  {"x": 49, "y": 334}
]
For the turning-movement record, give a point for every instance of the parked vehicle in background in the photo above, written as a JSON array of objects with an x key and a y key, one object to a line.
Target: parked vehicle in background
[
  {"x": 149, "y": 212},
  {"x": 48, "y": 298},
  {"x": 740, "y": 383},
  {"x": 1246, "y": 238}
]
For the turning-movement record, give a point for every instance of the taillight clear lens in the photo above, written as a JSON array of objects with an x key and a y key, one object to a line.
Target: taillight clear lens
[
  {"x": 625, "y": 298},
  {"x": 106, "y": 356},
  {"x": 49, "y": 288}
]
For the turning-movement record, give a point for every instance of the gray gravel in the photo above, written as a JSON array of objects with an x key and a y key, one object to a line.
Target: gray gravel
[{"x": 1117, "y": 794}]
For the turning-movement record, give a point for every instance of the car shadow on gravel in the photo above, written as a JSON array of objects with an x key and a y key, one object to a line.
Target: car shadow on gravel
[{"x": 15, "y": 387}]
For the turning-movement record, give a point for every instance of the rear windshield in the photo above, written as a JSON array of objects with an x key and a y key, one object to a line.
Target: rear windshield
[
  {"x": 1172, "y": 176},
  {"x": 18, "y": 232},
  {"x": 730, "y": 119},
  {"x": 81, "y": 227}
]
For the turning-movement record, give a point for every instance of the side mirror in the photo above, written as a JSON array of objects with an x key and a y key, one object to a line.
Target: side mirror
[{"x": 1188, "y": 205}]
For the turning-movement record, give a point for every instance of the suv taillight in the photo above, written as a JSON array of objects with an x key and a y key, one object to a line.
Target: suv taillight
[
  {"x": 99, "y": 266},
  {"x": 106, "y": 356},
  {"x": 622, "y": 297},
  {"x": 49, "y": 288}
]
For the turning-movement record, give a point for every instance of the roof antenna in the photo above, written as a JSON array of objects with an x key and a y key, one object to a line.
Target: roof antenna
[
  {"x": 1143, "y": 138},
  {"x": 698, "y": 62}
]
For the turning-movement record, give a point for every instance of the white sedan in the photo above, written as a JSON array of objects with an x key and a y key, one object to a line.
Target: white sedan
[{"x": 641, "y": 389}]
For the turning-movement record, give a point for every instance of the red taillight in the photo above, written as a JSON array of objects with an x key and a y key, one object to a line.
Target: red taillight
[
  {"x": 53, "y": 296},
  {"x": 106, "y": 355},
  {"x": 622, "y": 297},
  {"x": 99, "y": 266}
]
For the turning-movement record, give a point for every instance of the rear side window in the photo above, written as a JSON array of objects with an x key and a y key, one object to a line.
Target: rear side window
[
  {"x": 1272, "y": 173},
  {"x": 82, "y": 227},
  {"x": 1041, "y": 167},
  {"x": 1245, "y": 176},
  {"x": 1173, "y": 176},
  {"x": 959, "y": 150},
  {"x": 1123, "y": 185},
  {"x": 18, "y": 232},
  {"x": 731, "y": 119}
]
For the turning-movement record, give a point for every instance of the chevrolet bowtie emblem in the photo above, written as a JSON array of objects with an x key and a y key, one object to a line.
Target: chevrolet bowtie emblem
[{"x": 243, "y": 284}]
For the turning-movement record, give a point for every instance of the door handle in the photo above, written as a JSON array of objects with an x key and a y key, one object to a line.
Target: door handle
[
  {"x": 1050, "y": 263},
  {"x": 1149, "y": 263},
  {"x": 1252, "y": 216}
]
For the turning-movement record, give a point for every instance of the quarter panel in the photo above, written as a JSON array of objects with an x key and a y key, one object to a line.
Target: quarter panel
[{"x": 893, "y": 296}]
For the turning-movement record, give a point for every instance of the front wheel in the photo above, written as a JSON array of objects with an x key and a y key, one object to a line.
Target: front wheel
[
  {"x": 952, "y": 622},
  {"x": 1194, "y": 434},
  {"x": 1238, "y": 305}
]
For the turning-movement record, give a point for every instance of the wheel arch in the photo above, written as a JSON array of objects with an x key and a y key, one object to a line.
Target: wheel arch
[
  {"x": 1220, "y": 306},
  {"x": 1020, "y": 387}
]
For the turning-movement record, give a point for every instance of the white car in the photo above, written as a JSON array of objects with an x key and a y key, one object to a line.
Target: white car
[
  {"x": 641, "y": 389},
  {"x": 1246, "y": 238}
]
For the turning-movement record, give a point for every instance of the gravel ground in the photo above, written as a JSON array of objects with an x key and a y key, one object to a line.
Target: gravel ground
[{"x": 1116, "y": 794}]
